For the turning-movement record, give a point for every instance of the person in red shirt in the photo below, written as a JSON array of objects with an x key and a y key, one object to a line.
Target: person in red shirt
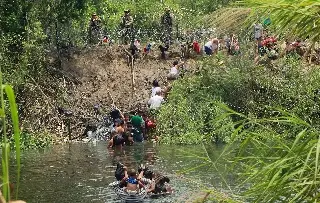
[{"x": 196, "y": 47}]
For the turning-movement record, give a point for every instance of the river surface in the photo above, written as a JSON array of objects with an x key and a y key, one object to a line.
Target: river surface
[{"x": 81, "y": 172}]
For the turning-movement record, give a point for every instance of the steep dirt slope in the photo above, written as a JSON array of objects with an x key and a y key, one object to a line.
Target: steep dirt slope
[
  {"x": 104, "y": 71},
  {"x": 98, "y": 75}
]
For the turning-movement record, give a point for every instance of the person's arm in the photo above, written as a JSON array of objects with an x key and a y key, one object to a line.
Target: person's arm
[
  {"x": 123, "y": 181},
  {"x": 130, "y": 20},
  {"x": 152, "y": 187},
  {"x": 140, "y": 184},
  {"x": 140, "y": 176},
  {"x": 110, "y": 143}
]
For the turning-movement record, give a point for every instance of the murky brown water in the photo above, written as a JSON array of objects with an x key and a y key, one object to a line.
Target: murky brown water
[{"x": 81, "y": 172}]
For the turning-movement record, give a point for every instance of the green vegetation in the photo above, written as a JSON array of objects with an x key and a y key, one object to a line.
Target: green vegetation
[
  {"x": 36, "y": 35},
  {"x": 268, "y": 114},
  {"x": 194, "y": 115},
  {"x": 7, "y": 91}
]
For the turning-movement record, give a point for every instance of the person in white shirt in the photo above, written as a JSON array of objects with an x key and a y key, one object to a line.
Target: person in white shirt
[
  {"x": 174, "y": 71},
  {"x": 156, "y": 101},
  {"x": 155, "y": 88},
  {"x": 258, "y": 31},
  {"x": 211, "y": 47}
]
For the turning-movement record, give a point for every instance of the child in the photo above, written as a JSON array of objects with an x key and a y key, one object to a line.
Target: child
[{"x": 132, "y": 181}]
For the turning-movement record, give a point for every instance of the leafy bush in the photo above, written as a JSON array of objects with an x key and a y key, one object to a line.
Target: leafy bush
[
  {"x": 189, "y": 116},
  {"x": 273, "y": 167},
  {"x": 32, "y": 141},
  {"x": 243, "y": 86}
]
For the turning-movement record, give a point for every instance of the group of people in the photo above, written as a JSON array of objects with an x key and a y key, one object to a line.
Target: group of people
[
  {"x": 127, "y": 27},
  {"x": 133, "y": 181},
  {"x": 267, "y": 45},
  {"x": 129, "y": 127},
  {"x": 136, "y": 125}
]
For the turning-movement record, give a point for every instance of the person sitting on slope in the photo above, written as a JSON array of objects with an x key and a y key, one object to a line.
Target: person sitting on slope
[{"x": 174, "y": 71}]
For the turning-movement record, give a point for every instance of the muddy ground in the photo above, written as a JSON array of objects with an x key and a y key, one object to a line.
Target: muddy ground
[{"x": 99, "y": 75}]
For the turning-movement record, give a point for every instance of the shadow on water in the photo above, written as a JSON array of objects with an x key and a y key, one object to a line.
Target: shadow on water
[{"x": 81, "y": 172}]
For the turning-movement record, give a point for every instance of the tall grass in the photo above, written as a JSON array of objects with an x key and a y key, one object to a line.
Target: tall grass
[
  {"x": 277, "y": 168},
  {"x": 272, "y": 167},
  {"x": 298, "y": 18},
  {"x": 7, "y": 91}
]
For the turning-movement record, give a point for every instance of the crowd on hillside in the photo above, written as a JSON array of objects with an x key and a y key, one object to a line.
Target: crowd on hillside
[{"x": 134, "y": 127}]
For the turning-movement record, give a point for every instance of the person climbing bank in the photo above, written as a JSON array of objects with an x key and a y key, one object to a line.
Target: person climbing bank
[
  {"x": 156, "y": 101},
  {"x": 167, "y": 23},
  {"x": 174, "y": 71},
  {"x": 155, "y": 88}
]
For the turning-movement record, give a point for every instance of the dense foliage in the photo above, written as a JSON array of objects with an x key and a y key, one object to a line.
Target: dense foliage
[
  {"x": 268, "y": 114},
  {"x": 243, "y": 86}
]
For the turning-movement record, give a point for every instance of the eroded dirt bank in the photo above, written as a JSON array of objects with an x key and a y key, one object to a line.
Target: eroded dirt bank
[{"x": 99, "y": 75}]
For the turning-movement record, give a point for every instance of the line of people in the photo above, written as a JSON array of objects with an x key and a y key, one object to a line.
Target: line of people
[
  {"x": 127, "y": 34},
  {"x": 137, "y": 125}
]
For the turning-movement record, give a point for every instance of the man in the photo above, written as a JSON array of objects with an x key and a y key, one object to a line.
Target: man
[
  {"x": 95, "y": 22},
  {"x": 127, "y": 25},
  {"x": 139, "y": 126},
  {"x": 258, "y": 36},
  {"x": 95, "y": 28},
  {"x": 156, "y": 101},
  {"x": 167, "y": 22}
]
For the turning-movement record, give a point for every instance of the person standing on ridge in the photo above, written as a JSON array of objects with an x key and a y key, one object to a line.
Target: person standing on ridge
[
  {"x": 167, "y": 23},
  {"x": 94, "y": 28},
  {"x": 127, "y": 26}
]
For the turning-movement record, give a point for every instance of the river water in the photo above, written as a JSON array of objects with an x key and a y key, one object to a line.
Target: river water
[{"x": 81, "y": 172}]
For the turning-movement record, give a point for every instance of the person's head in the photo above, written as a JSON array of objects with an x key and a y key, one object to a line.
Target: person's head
[
  {"x": 215, "y": 41},
  {"x": 158, "y": 93},
  {"x": 175, "y": 63},
  {"x": 121, "y": 123},
  {"x": 139, "y": 112},
  {"x": 117, "y": 122},
  {"x": 94, "y": 16},
  {"x": 164, "y": 179},
  {"x": 167, "y": 10},
  {"x": 127, "y": 12},
  {"x": 155, "y": 83},
  {"x": 126, "y": 117},
  {"x": 132, "y": 173}
]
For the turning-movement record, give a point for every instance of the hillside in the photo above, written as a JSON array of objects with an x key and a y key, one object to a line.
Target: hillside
[{"x": 98, "y": 75}]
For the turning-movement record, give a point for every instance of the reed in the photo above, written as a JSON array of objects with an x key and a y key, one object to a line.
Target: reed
[
  {"x": 8, "y": 100},
  {"x": 276, "y": 168}
]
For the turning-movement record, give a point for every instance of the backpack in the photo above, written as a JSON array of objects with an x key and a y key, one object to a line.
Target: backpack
[{"x": 118, "y": 140}]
